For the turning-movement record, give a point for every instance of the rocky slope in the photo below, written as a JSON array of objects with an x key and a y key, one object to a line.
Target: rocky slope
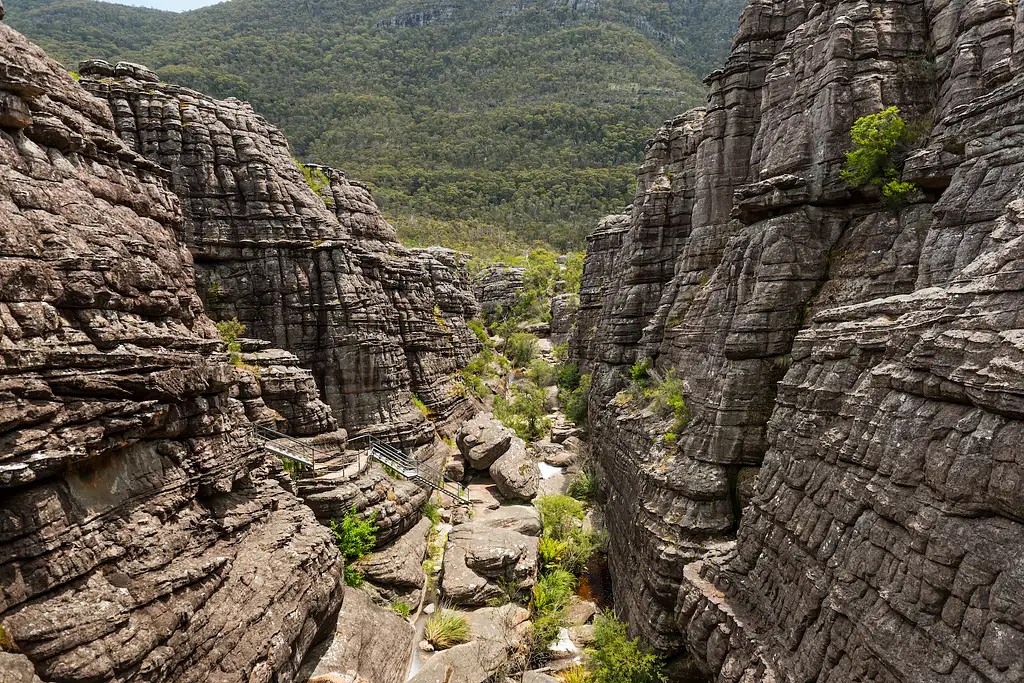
[
  {"x": 866, "y": 360},
  {"x": 143, "y": 534},
  {"x": 318, "y": 272}
]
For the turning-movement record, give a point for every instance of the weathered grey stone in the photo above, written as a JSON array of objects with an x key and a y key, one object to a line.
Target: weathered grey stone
[
  {"x": 515, "y": 473},
  {"x": 319, "y": 274},
  {"x": 401, "y": 563},
  {"x": 144, "y": 534},
  {"x": 563, "y": 313},
  {"x": 483, "y": 440},
  {"x": 370, "y": 641},
  {"x": 478, "y": 555},
  {"x": 524, "y": 519},
  {"x": 497, "y": 287},
  {"x": 863, "y": 357}
]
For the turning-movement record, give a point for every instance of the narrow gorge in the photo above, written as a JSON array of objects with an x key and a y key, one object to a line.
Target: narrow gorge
[{"x": 247, "y": 435}]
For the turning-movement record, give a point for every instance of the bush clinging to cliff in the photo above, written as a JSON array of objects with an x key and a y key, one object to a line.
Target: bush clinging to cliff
[{"x": 881, "y": 142}]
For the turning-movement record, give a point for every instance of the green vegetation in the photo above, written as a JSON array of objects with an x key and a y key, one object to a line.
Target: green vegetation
[
  {"x": 571, "y": 546},
  {"x": 75, "y": 75},
  {"x": 485, "y": 365},
  {"x": 577, "y": 673},
  {"x": 665, "y": 397},
  {"x": 317, "y": 181},
  {"x": 615, "y": 658},
  {"x": 523, "y": 410},
  {"x": 541, "y": 373},
  {"x": 573, "y": 392},
  {"x": 482, "y": 126},
  {"x": 584, "y": 486},
  {"x": 881, "y": 144},
  {"x": 230, "y": 331},
  {"x": 446, "y": 628},
  {"x": 421, "y": 405},
  {"x": 640, "y": 370},
  {"x": 565, "y": 547},
  {"x": 355, "y": 537},
  {"x": 401, "y": 608},
  {"x": 432, "y": 511},
  {"x": 520, "y": 348}
]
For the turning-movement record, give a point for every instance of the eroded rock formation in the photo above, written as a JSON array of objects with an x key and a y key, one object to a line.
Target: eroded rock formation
[
  {"x": 308, "y": 265},
  {"x": 143, "y": 534},
  {"x": 866, "y": 358}
]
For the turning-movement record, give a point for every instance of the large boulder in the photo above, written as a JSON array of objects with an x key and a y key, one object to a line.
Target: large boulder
[
  {"x": 479, "y": 555},
  {"x": 369, "y": 640},
  {"x": 524, "y": 519},
  {"x": 515, "y": 473},
  {"x": 483, "y": 440},
  {"x": 401, "y": 563}
]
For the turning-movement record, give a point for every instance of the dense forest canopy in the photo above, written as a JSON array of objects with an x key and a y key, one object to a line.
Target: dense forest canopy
[{"x": 478, "y": 124}]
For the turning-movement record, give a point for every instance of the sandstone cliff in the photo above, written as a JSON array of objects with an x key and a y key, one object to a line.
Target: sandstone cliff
[
  {"x": 143, "y": 534},
  {"x": 311, "y": 267},
  {"x": 867, "y": 360}
]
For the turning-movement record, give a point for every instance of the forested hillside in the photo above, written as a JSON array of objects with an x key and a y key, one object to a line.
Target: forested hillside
[{"x": 510, "y": 120}]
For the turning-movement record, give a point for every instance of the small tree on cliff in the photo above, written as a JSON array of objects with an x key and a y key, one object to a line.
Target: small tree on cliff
[{"x": 881, "y": 143}]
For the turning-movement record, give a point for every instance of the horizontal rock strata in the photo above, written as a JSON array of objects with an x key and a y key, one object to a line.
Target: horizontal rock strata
[
  {"x": 143, "y": 534},
  {"x": 864, "y": 357},
  {"x": 306, "y": 263}
]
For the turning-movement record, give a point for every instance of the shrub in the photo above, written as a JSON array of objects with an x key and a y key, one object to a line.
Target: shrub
[
  {"x": 567, "y": 376},
  {"x": 541, "y": 373},
  {"x": 576, "y": 673},
  {"x": 617, "y": 659},
  {"x": 881, "y": 143},
  {"x": 553, "y": 591},
  {"x": 520, "y": 348},
  {"x": 230, "y": 331},
  {"x": 640, "y": 371},
  {"x": 421, "y": 405},
  {"x": 401, "y": 608},
  {"x": 431, "y": 511},
  {"x": 583, "y": 486},
  {"x": 544, "y": 629},
  {"x": 7, "y": 643},
  {"x": 355, "y": 537},
  {"x": 318, "y": 182},
  {"x": 478, "y": 329},
  {"x": 669, "y": 398},
  {"x": 446, "y": 628},
  {"x": 574, "y": 401},
  {"x": 551, "y": 551},
  {"x": 523, "y": 410},
  {"x": 560, "y": 352},
  {"x": 560, "y": 515},
  {"x": 582, "y": 545}
]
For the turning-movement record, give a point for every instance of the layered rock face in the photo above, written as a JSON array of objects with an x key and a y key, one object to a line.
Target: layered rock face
[
  {"x": 311, "y": 267},
  {"x": 497, "y": 287},
  {"x": 865, "y": 358},
  {"x": 143, "y": 534}
]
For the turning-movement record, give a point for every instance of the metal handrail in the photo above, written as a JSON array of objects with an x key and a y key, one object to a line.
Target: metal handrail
[
  {"x": 382, "y": 452},
  {"x": 266, "y": 434}
]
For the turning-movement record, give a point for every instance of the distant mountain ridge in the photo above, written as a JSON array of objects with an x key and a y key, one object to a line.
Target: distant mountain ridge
[{"x": 515, "y": 120}]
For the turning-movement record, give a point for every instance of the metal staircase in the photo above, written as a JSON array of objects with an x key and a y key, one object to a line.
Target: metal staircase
[
  {"x": 398, "y": 462},
  {"x": 287, "y": 447},
  {"x": 317, "y": 464}
]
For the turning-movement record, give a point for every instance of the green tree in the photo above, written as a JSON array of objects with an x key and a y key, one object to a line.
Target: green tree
[
  {"x": 881, "y": 144},
  {"x": 615, "y": 658},
  {"x": 355, "y": 537}
]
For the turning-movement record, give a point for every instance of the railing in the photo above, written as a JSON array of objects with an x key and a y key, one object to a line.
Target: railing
[
  {"x": 291, "y": 449},
  {"x": 410, "y": 468}
]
